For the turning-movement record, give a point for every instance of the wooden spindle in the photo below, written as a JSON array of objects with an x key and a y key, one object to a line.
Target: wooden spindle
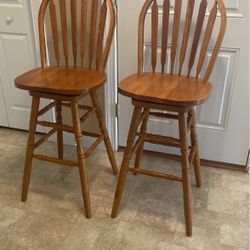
[
  {"x": 154, "y": 34},
  {"x": 186, "y": 32},
  {"x": 207, "y": 36},
  {"x": 74, "y": 30},
  {"x": 165, "y": 23},
  {"x": 219, "y": 39},
  {"x": 41, "y": 16},
  {"x": 175, "y": 36},
  {"x": 93, "y": 22},
  {"x": 99, "y": 50},
  {"x": 110, "y": 32},
  {"x": 54, "y": 28},
  {"x": 197, "y": 34},
  {"x": 141, "y": 34},
  {"x": 63, "y": 15},
  {"x": 84, "y": 9}
]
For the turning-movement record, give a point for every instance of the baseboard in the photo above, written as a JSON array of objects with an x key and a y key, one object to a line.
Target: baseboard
[{"x": 214, "y": 164}]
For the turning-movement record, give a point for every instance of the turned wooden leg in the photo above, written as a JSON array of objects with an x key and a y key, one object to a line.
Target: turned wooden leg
[
  {"x": 126, "y": 160},
  {"x": 194, "y": 141},
  {"x": 30, "y": 147},
  {"x": 185, "y": 173},
  {"x": 104, "y": 131},
  {"x": 140, "y": 148},
  {"x": 59, "y": 131},
  {"x": 81, "y": 160}
]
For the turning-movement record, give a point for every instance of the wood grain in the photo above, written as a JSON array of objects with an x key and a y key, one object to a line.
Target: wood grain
[
  {"x": 54, "y": 28},
  {"x": 166, "y": 89},
  {"x": 93, "y": 26},
  {"x": 61, "y": 80},
  {"x": 74, "y": 30},
  {"x": 206, "y": 40},
  {"x": 63, "y": 15},
  {"x": 197, "y": 34},
  {"x": 165, "y": 25},
  {"x": 175, "y": 35},
  {"x": 154, "y": 34},
  {"x": 186, "y": 32},
  {"x": 84, "y": 9}
]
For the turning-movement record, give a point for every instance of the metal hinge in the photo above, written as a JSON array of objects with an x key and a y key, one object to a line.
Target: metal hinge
[
  {"x": 247, "y": 162},
  {"x": 117, "y": 110}
]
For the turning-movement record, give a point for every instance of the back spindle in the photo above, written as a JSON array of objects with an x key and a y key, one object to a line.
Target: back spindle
[
  {"x": 165, "y": 24},
  {"x": 154, "y": 34},
  {"x": 63, "y": 16},
  {"x": 93, "y": 25},
  {"x": 175, "y": 35},
  {"x": 99, "y": 50},
  {"x": 84, "y": 9},
  {"x": 54, "y": 28},
  {"x": 186, "y": 32},
  {"x": 74, "y": 30},
  {"x": 207, "y": 36},
  {"x": 197, "y": 34}
]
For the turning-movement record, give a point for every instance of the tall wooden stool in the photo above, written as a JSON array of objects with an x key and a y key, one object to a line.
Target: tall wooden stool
[
  {"x": 66, "y": 85},
  {"x": 175, "y": 91}
]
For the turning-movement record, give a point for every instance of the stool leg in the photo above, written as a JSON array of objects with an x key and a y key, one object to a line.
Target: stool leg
[
  {"x": 140, "y": 148},
  {"x": 30, "y": 149},
  {"x": 104, "y": 131},
  {"x": 126, "y": 160},
  {"x": 194, "y": 141},
  {"x": 81, "y": 160},
  {"x": 185, "y": 173},
  {"x": 59, "y": 131}
]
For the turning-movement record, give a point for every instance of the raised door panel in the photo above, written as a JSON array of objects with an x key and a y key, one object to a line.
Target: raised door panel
[
  {"x": 3, "y": 113},
  {"x": 15, "y": 51},
  {"x": 17, "y": 55}
]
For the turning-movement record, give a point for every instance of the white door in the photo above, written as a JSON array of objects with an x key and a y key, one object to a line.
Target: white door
[
  {"x": 224, "y": 119},
  {"x": 17, "y": 55}
]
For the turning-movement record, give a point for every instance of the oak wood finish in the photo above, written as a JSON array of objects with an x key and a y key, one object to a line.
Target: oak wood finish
[
  {"x": 166, "y": 89},
  {"x": 67, "y": 84},
  {"x": 174, "y": 91}
]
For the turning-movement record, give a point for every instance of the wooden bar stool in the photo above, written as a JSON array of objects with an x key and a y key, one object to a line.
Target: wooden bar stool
[
  {"x": 175, "y": 92},
  {"x": 66, "y": 85}
]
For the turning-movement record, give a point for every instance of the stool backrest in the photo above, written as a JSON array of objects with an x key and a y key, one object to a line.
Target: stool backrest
[
  {"x": 78, "y": 29},
  {"x": 203, "y": 24}
]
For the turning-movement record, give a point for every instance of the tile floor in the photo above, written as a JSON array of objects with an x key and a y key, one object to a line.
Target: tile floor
[{"x": 151, "y": 216}]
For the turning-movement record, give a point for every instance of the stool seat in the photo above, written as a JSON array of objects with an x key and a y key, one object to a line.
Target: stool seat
[
  {"x": 61, "y": 80},
  {"x": 166, "y": 89}
]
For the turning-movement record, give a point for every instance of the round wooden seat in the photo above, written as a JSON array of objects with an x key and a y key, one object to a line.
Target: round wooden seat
[
  {"x": 166, "y": 89},
  {"x": 61, "y": 80}
]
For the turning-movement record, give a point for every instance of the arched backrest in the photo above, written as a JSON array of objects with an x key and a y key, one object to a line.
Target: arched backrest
[
  {"x": 204, "y": 23},
  {"x": 86, "y": 30}
]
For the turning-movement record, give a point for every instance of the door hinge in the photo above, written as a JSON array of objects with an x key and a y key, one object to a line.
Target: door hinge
[
  {"x": 248, "y": 162},
  {"x": 117, "y": 110}
]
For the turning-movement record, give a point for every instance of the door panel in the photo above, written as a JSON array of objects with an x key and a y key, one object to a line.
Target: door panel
[
  {"x": 223, "y": 121},
  {"x": 17, "y": 55}
]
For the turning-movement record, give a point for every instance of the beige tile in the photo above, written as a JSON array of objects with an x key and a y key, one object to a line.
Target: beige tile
[
  {"x": 9, "y": 216},
  {"x": 151, "y": 215},
  {"x": 195, "y": 242},
  {"x": 134, "y": 236},
  {"x": 234, "y": 236},
  {"x": 237, "y": 182},
  {"x": 227, "y": 201},
  {"x": 165, "y": 245}
]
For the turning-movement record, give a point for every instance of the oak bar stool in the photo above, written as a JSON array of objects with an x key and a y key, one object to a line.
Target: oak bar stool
[
  {"x": 175, "y": 92},
  {"x": 66, "y": 85}
]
